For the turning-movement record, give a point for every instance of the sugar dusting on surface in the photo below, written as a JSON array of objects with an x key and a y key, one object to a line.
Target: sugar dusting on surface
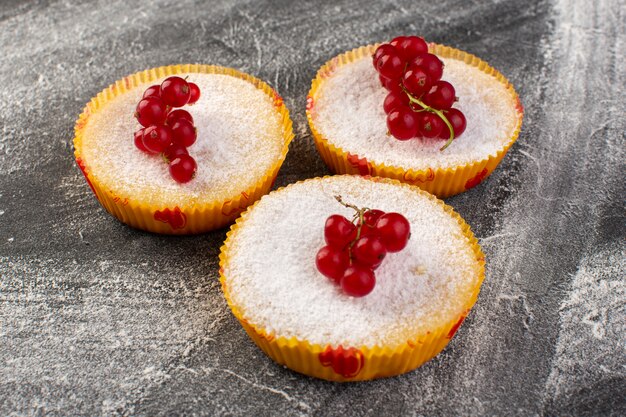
[
  {"x": 272, "y": 276},
  {"x": 349, "y": 114},
  {"x": 239, "y": 138},
  {"x": 592, "y": 334}
]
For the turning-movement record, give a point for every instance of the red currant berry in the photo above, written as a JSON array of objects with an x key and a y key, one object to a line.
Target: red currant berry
[
  {"x": 416, "y": 81},
  {"x": 151, "y": 111},
  {"x": 365, "y": 231},
  {"x": 157, "y": 138},
  {"x": 394, "y": 231},
  {"x": 358, "y": 281},
  {"x": 391, "y": 85},
  {"x": 339, "y": 231},
  {"x": 371, "y": 217},
  {"x": 372, "y": 267},
  {"x": 332, "y": 262},
  {"x": 402, "y": 123},
  {"x": 139, "y": 141},
  {"x": 445, "y": 133},
  {"x": 409, "y": 46},
  {"x": 183, "y": 168},
  {"x": 431, "y": 125},
  {"x": 395, "y": 42},
  {"x": 369, "y": 221},
  {"x": 194, "y": 95},
  {"x": 184, "y": 133},
  {"x": 369, "y": 250},
  {"x": 394, "y": 100},
  {"x": 383, "y": 49},
  {"x": 431, "y": 64},
  {"x": 174, "y": 151},
  {"x": 458, "y": 122},
  {"x": 441, "y": 96},
  {"x": 390, "y": 65},
  {"x": 152, "y": 91},
  {"x": 177, "y": 114},
  {"x": 175, "y": 91}
]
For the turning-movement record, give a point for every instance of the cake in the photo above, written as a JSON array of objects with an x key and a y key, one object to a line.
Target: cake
[
  {"x": 346, "y": 116},
  {"x": 303, "y": 320},
  {"x": 243, "y": 133}
]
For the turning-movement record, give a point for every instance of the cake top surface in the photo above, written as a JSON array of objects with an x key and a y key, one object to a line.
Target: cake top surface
[
  {"x": 240, "y": 137},
  {"x": 348, "y": 112},
  {"x": 272, "y": 278}
]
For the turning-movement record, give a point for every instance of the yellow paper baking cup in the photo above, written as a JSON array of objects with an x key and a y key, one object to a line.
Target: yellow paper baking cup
[
  {"x": 174, "y": 220},
  {"x": 354, "y": 363},
  {"x": 443, "y": 182}
]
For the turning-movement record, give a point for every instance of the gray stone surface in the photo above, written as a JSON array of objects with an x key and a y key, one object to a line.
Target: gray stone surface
[{"x": 100, "y": 319}]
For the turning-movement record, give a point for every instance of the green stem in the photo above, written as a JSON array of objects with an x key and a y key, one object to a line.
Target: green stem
[{"x": 437, "y": 112}]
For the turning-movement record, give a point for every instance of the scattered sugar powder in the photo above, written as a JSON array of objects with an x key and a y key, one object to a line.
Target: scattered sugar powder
[
  {"x": 273, "y": 279},
  {"x": 349, "y": 113},
  {"x": 239, "y": 138}
]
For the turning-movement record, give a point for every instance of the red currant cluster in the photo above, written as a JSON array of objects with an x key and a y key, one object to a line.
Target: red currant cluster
[
  {"x": 419, "y": 103},
  {"x": 354, "y": 249},
  {"x": 167, "y": 131}
]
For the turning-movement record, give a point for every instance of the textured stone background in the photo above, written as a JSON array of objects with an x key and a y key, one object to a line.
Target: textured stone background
[{"x": 100, "y": 319}]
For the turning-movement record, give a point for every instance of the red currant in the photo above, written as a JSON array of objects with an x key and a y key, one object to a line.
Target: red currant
[
  {"x": 396, "y": 41},
  {"x": 194, "y": 93},
  {"x": 152, "y": 91},
  {"x": 394, "y": 231},
  {"x": 183, "y": 168},
  {"x": 441, "y": 96},
  {"x": 151, "y": 111},
  {"x": 339, "y": 231},
  {"x": 458, "y": 122},
  {"x": 394, "y": 100},
  {"x": 431, "y": 125},
  {"x": 157, "y": 138},
  {"x": 402, "y": 123},
  {"x": 390, "y": 65},
  {"x": 416, "y": 81},
  {"x": 175, "y": 91},
  {"x": 369, "y": 250},
  {"x": 332, "y": 262},
  {"x": 358, "y": 280},
  {"x": 365, "y": 231},
  {"x": 138, "y": 137},
  {"x": 371, "y": 217},
  {"x": 184, "y": 133},
  {"x": 383, "y": 49},
  {"x": 177, "y": 114},
  {"x": 391, "y": 85},
  {"x": 174, "y": 151},
  {"x": 431, "y": 64},
  {"x": 409, "y": 46}
]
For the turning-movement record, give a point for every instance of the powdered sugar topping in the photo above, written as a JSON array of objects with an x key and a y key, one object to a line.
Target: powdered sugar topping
[
  {"x": 273, "y": 280},
  {"x": 349, "y": 113},
  {"x": 239, "y": 139}
]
